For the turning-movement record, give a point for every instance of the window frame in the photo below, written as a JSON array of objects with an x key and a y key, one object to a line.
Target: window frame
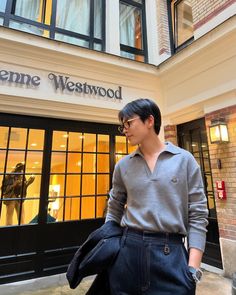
[
  {"x": 172, "y": 27},
  {"x": 129, "y": 49},
  {"x": 52, "y": 29}
]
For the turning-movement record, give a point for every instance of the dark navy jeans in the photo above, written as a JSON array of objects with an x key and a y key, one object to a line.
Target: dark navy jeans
[{"x": 151, "y": 264}]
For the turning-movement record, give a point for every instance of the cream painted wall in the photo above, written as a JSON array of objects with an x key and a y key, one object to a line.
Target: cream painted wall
[
  {"x": 36, "y": 56},
  {"x": 202, "y": 77}
]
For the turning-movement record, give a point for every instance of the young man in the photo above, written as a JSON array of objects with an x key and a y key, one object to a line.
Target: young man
[{"x": 158, "y": 197}]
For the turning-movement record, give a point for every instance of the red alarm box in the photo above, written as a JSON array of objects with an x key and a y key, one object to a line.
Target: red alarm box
[{"x": 220, "y": 185}]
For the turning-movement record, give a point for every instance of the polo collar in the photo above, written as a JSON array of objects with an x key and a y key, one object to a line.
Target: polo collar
[{"x": 170, "y": 148}]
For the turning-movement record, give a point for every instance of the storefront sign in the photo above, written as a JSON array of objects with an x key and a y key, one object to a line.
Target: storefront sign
[
  {"x": 62, "y": 83},
  {"x": 65, "y": 83}
]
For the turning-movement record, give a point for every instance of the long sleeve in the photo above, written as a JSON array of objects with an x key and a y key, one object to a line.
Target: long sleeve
[
  {"x": 118, "y": 197},
  {"x": 198, "y": 211}
]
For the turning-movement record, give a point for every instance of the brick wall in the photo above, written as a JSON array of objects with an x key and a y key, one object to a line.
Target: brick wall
[
  {"x": 170, "y": 133},
  {"x": 205, "y": 10},
  {"x": 226, "y": 152},
  {"x": 163, "y": 27}
]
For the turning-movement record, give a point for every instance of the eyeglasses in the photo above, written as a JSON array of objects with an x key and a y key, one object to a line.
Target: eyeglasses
[{"x": 126, "y": 125}]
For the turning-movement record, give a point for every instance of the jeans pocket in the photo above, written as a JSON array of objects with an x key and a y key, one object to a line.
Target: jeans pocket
[{"x": 187, "y": 272}]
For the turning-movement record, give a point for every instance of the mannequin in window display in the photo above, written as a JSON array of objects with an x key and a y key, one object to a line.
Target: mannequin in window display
[{"x": 15, "y": 185}]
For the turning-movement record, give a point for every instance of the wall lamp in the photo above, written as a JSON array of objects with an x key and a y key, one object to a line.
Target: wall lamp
[{"x": 219, "y": 131}]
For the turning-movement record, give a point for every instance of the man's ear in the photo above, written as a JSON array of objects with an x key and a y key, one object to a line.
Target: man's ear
[{"x": 150, "y": 121}]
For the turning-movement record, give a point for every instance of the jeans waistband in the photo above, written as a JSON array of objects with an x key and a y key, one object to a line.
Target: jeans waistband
[{"x": 155, "y": 236}]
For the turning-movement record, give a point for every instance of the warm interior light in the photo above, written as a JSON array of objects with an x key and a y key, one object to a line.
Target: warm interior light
[
  {"x": 33, "y": 144},
  {"x": 218, "y": 131}
]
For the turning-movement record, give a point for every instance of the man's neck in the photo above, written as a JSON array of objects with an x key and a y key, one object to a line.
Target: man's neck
[{"x": 152, "y": 146}]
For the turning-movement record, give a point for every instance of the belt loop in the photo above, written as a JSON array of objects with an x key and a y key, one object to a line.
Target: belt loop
[{"x": 166, "y": 247}]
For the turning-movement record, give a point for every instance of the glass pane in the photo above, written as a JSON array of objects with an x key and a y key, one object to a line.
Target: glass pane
[
  {"x": 54, "y": 207},
  {"x": 98, "y": 19},
  {"x": 97, "y": 46},
  {"x": 1, "y": 21},
  {"x": 131, "y": 26},
  {"x": 88, "y": 184},
  {"x": 184, "y": 22},
  {"x": 75, "y": 141},
  {"x": 29, "y": 9},
  {"x": 88, "y": 208},
  {"x": 59, "y": 141},
  {"x": 33, "y": 186},
  {"x": 103, "y": 163},
  {"x": 206, "y": 165},
  {"x": 3, "y": 5},
  {"x": 101, "y": 206},
  {"x": 89, "y": 142},
  {"x": 58, "y": 162},
  {"x": 73, "y": 15},
  {"x": 73, "y": 185},
  {"x": 121, "y": 144},
  {"x": 2, "y": 160},
  {"x": 55, "y": 210},
  {"x": 29, "y": 29},
  {"x": 31, "y": 208},
  {"x": 132, "y": 56},
  {"x": 36, "y": 139},
  {"x": 103, "y": 184},
  {"x": 103, "y": 143},
  {"x": 34, "y": 162},
  {"x": 3, "y": 137},
  {"x": 56, "y": 186},
  {"x": 132, "y": 148},
  {"x": 209, "y": 184},
  {"x": 14, "y": 158},
  {"x": 74, "y": 163},
  {"x": 72, "y": 211},
  {"x": 18, "y": 138},
  {"x": 71, "y": 40},
  {"x": 89, "y": 163},
  {"x": 11, "y": 212}
]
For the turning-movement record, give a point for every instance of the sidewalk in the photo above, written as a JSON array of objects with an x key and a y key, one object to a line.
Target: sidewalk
[{"x": 212, "y": 283}]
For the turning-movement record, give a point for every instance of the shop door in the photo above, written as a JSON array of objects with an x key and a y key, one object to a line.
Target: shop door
[
  {"x": 61, "y": 172},
  {"x": 192, "y": 136}
]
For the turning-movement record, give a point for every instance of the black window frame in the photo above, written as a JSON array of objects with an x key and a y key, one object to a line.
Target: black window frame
[
  {"x": 172, "y": 28},
  {"x": 52, "y": 29},
  {"x": 141, "y": 52}
]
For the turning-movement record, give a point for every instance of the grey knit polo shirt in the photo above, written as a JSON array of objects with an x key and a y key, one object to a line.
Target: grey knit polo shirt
[{"x": 171, "y": 199}]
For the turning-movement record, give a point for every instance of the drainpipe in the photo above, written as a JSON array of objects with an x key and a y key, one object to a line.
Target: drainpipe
[{"x": 234, "y": 284}]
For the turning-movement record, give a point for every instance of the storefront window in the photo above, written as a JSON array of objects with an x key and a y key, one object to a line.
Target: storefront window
[
  {"x": 20, "y": 174},
  {"x": 122, "y": 147},
  {"x": 80, "y": 172},
  {"x": 132, "y": 30},
  {"x": 182, "y": 21}
]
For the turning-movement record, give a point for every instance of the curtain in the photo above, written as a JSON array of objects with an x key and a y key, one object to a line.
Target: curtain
[
  {"x": 98, "y": 19},
  {"x": 29, "y": 9},
  {"x": 127, "y": 28},
  {"x": 3, "y": 5},
  {"x": 73, "y": 15}
]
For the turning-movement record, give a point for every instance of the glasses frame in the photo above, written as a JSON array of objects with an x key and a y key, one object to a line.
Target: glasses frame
[{"x": 126, "y": 125}]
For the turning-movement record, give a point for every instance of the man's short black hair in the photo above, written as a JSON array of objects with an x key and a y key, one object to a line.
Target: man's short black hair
[{"x": 143, "y": 107}]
